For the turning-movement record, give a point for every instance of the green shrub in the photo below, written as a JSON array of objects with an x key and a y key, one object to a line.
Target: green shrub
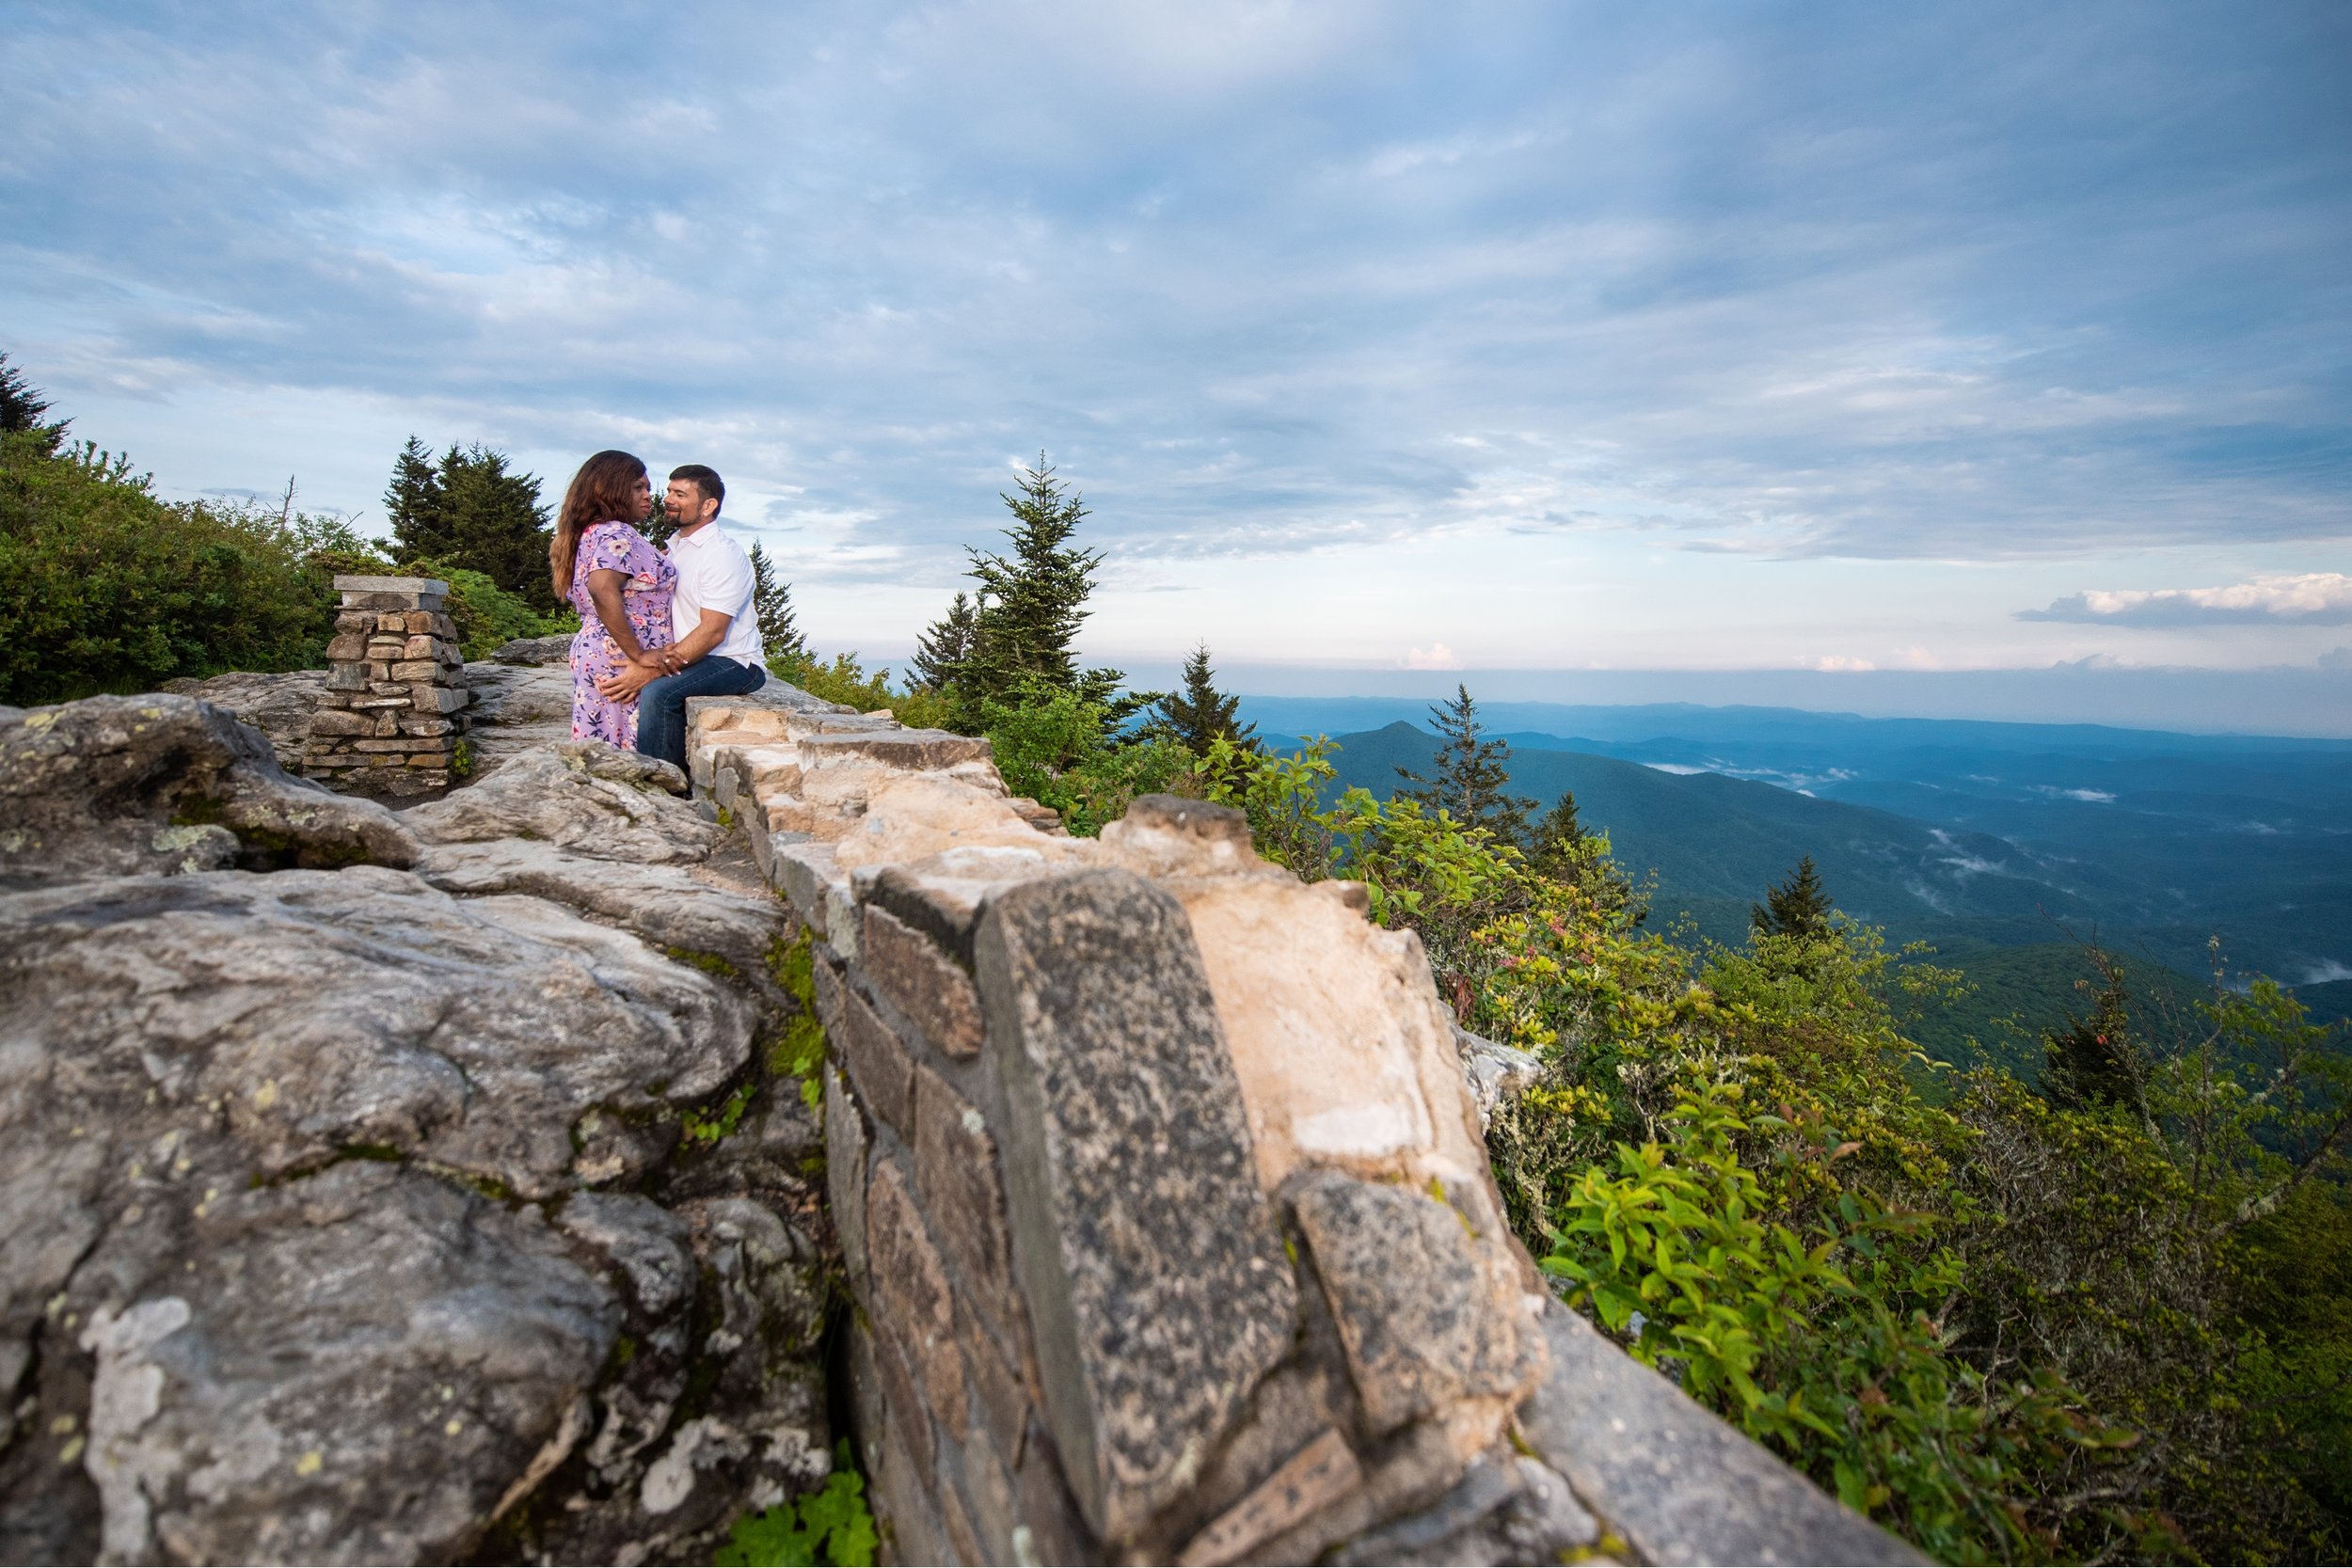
[
  {"x": 831, "y": 1525},
  {"x": 112, "y": 589},
  {"x": 489, "y": 617}
]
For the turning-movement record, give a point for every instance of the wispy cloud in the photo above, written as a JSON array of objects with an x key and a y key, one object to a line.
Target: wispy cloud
[
  {"x": 1435, "y": 657},
  {"x": 2307, "y": 598}
]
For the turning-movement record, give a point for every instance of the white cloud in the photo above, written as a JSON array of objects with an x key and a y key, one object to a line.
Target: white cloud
[
  {"x": 1436, "y": 657},
  {"x": 2307, "y": 598},
  {"x": 1835, "y": 663}
]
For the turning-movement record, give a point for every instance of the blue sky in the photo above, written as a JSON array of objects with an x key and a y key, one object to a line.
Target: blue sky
[{"x": 1819, "y": 337}]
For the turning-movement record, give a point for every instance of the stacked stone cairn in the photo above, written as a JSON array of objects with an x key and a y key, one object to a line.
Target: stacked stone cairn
[{"x": 393, "y": 714}]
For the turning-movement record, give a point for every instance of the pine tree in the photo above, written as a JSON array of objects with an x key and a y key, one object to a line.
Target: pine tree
[
  {"x": 2094, "y": 1062},
  {"x": 1470, "y": 775},
  {"x": 1797, "y": 908},
  {"x": 1558, "y": 839},
  {"x": 1033, "y": 601},
  {"x": 779, "y": 638},
  {"x": 467, "y": 511},
  {"x": 414, "y": 503},
  {"x": 21, "y": 407},
  {"x": 496, "y": 523},
  {"x": 943, "y": 650},
  {"x": 1196, "y": 715}
]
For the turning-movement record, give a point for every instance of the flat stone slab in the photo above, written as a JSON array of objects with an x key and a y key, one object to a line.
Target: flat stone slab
[
  {"x": 354, "y": 583},
  {"x": 1158, "y": 1286}
]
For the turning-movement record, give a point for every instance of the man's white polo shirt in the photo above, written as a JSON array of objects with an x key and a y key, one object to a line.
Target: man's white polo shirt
[{"x": 713, "y": 573}]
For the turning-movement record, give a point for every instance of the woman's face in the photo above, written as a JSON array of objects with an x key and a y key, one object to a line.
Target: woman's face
[{"x": 641, "y": 499}]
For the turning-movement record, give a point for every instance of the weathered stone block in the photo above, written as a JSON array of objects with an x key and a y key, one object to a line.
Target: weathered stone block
[
  {"x": 878, "y": 1065},
  {"x": 345, "y": 646},
  {"x": 329, "y": 721},
  {"x": 395, "y": 621},
  {"x": 1158, "y": 1288},
  {"x": 917, "y": 751},
  {"x": 414, "y": 670},
  {"x": 437, "y": 699},
  {"x": 361, "y": 621},
  {"x": 348, "y": 678},
  {"x": 1312, "y": 1479},
  {"x": 417, "y": 724},
  {"x": 936, "y": 996},
  {"x": 845, "y": 1142},
  {"x": 955, "y": 1170},
  {"x": 918, "y": 1306},
  {"x": 1420, "y": 1328},
  {"x": 359, "y": 582},
  {"x": 1003, "y": 1395}
]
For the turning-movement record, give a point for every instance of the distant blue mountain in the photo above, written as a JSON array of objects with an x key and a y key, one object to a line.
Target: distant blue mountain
[{"x": 1957, "y": 832}]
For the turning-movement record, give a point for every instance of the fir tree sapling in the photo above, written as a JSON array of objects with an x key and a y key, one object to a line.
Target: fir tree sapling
[
  {"x": 1200, "y": 713},
  {"x": 771, "y": 598},
  {"x": 1470, "y": 776},
  {"x": 2094, "y": 1061},
  {"x": 1798, "y": 907},
  {"x": 946, "y": 647},
  {"x": 1033, "y": 601}
]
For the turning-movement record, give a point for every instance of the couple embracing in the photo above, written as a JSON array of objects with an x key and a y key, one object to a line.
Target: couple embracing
[{"x": 656, "y": 628}]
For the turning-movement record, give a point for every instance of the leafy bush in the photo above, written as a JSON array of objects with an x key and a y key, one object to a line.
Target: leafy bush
[
  {"x": 1058, "y": 749},
  {"x": 846, "y": 681},
  {"x": 116, "y": 590},
  {"x": 488, "y": 616}
]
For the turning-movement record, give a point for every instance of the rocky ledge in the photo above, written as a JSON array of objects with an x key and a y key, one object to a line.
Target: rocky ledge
[{"x": 390, "y": 1188}]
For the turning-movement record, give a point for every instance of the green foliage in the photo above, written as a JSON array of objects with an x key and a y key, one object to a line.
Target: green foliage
[
  {"x": 470, "y": 513},
  {"x": 1469, "y": 779},
  {"x": 832, "y": 1525},
  {"x": 945, "y": 647},
  {"x": 486, "y": 616},
  {"x": 1032, "y": 603},
  {"x": 1798, "y": 907},
  {"x": 2009, "y": 1329},
  {"x": 1059, "y": 749},
  {"x": 1196, "y": 716},
  {"x": 847, "y": 681},
  {"x": 709, "y": 1131},
  {"x": 114, "y": 590},
  {"x": 799, "y": 1053},
  {"x": 21, "y": 407},
  {"x": 772, "y": 601}
]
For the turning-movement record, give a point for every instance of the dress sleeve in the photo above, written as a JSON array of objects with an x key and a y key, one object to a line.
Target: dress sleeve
[{"x": 612, "y": 547}]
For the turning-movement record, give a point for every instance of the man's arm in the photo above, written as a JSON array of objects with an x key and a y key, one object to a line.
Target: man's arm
[{"x": 652, "y": 665}]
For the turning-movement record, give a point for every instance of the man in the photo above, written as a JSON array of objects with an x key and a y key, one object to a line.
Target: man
[{"x": 718, "y": 651}]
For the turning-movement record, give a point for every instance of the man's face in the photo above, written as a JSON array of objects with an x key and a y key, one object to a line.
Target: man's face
[{"x": 684, "y": 501}]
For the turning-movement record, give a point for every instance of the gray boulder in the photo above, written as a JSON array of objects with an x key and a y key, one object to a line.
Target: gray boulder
[
  {"x": 342, "y": 1219},
  {"x": 582, "y": 796},
  {"x": 280, "y": 705},
  {"x": 164, "y": 784},
  {"x": 534, "y": 650}
]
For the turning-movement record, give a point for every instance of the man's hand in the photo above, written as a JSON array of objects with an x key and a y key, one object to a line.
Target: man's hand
[{"x": 633, "y": 678}]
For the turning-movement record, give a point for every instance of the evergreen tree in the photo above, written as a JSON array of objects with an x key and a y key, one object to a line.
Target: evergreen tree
[
  {"x": 780, "y": 635},
  {"x": 1033, "y": 601},
  {"x": 943, "y": 650},
  {"x": 414, "y": 503},
  {"x": 469, "y": 512},
  {"x": 2094, "y": 1061},
  {"x": 1200, "y": 713},
  {"x": 1559, "y": 840},
  {"x": 1470, "y": 775},
  {"x": 496, "y": 523},
  {"x": 1796, "y": 908},
  {"x": 21, "y": 407}
]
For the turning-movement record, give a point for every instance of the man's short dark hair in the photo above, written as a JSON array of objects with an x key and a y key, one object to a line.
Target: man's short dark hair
[{"x": 713, "y": 488}]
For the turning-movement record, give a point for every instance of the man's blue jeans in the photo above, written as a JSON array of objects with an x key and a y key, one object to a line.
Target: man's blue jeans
[{"x": 661, "y": 705}]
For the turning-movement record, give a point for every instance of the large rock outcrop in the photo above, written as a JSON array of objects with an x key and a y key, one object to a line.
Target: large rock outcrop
[{"x": 410, "y": 1210}]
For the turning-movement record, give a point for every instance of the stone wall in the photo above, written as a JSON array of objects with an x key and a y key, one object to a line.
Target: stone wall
[
  {"x": 1159, "y": 1185},
  {"x": 393, "y": 715}
]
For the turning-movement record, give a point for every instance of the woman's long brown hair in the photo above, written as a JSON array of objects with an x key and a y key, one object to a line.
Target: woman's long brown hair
[{"x": 604, "y": 490}]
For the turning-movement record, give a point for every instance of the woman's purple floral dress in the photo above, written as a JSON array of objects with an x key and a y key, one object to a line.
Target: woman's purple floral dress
[{"x": 615, "y": 547}]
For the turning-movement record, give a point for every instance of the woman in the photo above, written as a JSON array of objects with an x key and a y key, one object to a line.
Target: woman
[{"x": 618, "y": 582}]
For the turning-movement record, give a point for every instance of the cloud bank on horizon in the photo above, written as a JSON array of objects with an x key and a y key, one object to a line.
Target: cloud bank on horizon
[{"x": 1821, "y": 336}]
